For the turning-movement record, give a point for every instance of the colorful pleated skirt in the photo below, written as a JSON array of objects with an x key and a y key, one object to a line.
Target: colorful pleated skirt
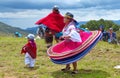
[{"x": 67, "y": 51}]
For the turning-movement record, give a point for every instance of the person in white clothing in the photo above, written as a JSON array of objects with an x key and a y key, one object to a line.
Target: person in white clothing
[{"x": 70, "y": 33}]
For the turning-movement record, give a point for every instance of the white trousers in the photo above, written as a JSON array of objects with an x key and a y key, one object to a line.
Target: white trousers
[{"x": 29, "y": 60}]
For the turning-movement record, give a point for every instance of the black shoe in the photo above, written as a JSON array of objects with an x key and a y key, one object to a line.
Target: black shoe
[
  {"x": 65, "y": 69},
  {"x": 74, "y": 72}
]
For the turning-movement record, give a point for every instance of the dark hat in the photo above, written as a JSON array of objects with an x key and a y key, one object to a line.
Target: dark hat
[
  {"x": 101, "y": 26},
  {"x": 69, "y": 15}
]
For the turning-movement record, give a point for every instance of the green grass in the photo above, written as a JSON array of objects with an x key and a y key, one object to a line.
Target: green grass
[{"x": 99, "y": 63}]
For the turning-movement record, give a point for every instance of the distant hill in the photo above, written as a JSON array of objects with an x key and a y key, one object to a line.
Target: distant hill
[
  {"x": 9, "y": 30},
  {"x": 32, "y": 30},
  {"x": 82, "y": 22},
  {"x": 117, "y": 22}
]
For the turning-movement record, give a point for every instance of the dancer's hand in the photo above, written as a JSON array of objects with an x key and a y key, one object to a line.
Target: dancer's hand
[
  {"x": 66, "y": 37},
  {"x": 61, "y": 38}
]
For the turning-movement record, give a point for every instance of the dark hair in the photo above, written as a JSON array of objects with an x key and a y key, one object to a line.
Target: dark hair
[
  {"x": 47, "y": 30},
  {"x": 56, "y": 10}
]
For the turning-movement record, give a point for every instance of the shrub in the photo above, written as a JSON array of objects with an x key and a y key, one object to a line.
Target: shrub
[{"x": 118, "y": 35}]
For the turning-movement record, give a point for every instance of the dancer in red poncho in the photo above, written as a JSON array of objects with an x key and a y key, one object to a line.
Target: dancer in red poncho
[
  {"x": 55, "y": 24},
  {"x": 30, "y": 51},
  {"x": 54, "y": 20}
]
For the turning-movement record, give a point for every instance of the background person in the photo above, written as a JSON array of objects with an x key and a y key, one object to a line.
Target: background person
[
  {"x": 104, "y": 36},
  {"x": 53, "y": 22},
  {"x": 112, "y": 36},
  {"x": 30, "y": 51}
]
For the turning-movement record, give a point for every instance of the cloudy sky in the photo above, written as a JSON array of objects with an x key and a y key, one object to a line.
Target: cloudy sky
[{"x": 24, "y": 13}]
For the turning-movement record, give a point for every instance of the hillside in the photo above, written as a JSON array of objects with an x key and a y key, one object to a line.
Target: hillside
[
  {"x": 9, "y": 30},
  {"x": 99, "y": 63}
]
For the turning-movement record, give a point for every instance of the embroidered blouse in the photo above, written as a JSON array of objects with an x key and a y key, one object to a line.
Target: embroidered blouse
[{"x": 70, "y": 30}]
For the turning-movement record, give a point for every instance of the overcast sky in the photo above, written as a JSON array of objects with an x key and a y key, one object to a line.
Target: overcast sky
[{"x": 24, "y": 13}]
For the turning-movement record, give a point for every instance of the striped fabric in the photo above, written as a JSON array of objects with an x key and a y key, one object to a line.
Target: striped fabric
[{"x": 63, "y": 53}]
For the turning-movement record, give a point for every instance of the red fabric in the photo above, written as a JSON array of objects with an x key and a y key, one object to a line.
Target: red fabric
[
  {"x": 31, "y": 48},
  {"x": 54, "y": 21}
]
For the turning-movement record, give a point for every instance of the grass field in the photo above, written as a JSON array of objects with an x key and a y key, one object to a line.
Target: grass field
[{"x": 99, "y": 63}]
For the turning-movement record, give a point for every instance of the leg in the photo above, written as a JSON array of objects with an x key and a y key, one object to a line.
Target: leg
[
  {"x": 74, "y": 68},
  {"x": 66, "y": 68},
  {"x": 32, "y": 62},
  {"x": 27, "y": 60},
  {"x": 56, "y": 39},
  {"x": 49, "y": 40},
  {"x": 49, "y": 45}
]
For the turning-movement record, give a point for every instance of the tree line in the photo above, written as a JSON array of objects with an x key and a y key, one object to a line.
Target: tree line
[{"x": 95, "y": 24}]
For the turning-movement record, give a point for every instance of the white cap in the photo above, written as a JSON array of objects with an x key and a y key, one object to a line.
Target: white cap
[
  {"x": 56, "y": 7},
  {"x": 110, "y": 28},
  {"x": 30, "y": 36}
]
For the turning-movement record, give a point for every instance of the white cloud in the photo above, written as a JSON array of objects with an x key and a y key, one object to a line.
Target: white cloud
[
  {"x": 27, "y": 18},
  {"x": 95, "y": 14},
  {"x": 24, "y": 14},
  {"x": 80, "y": 14},
  {"x": 8, "y": 5}
]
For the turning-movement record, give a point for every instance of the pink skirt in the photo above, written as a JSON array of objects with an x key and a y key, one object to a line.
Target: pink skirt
[{"x": 69, "y": 48}]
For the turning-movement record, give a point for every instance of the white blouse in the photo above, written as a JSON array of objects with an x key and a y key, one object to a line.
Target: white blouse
[{"x": 71, "y": 31}]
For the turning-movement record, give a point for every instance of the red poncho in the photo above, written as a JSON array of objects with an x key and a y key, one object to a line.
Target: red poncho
[
  {"x": 31, "y": 48},
  {"x": 54, "y": 21}
]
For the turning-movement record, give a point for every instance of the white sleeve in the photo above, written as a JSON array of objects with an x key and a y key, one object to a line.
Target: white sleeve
[{"x": 75, "y": 36}]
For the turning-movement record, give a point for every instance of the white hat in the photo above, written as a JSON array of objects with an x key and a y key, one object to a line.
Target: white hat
[
  {"x": 55, "y": 7},
  {"x": 110, "y": 28},
  {"x": 30, "y": 36}
]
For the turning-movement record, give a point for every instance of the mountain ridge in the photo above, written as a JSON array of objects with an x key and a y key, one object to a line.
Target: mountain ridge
[{"x": 6, "y": 29}]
